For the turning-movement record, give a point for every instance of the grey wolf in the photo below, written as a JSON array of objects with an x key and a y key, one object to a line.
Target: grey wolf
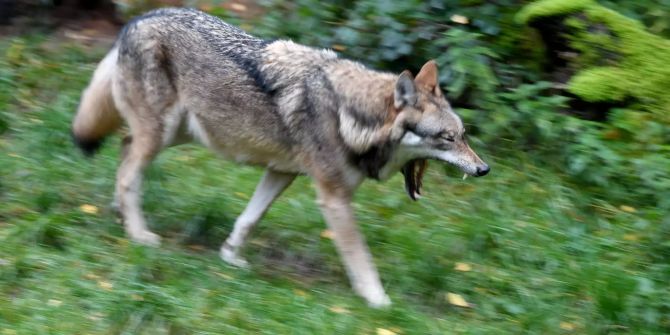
[{"x": 177, "y": 75}]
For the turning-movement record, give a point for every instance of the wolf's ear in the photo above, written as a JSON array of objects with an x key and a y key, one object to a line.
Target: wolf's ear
[
  {"x": 427, "y": 77},
  {"x": 405, "y": 91}
]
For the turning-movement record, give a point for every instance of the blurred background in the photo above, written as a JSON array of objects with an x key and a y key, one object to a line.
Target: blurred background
[{"x": 567, "y": 100}]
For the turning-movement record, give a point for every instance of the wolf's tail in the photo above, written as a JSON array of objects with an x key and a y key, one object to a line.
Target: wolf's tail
[{"x": 97, "y": 116}]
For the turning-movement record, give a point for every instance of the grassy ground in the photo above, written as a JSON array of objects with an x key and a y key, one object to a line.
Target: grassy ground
[{"x": 528, "y": 251}]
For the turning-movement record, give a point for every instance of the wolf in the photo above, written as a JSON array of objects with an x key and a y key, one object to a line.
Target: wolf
[{"x": 180, "y": 75}]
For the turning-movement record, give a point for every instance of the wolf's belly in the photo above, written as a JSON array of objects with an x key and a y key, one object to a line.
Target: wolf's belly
[{"x": 245, "y": 147}]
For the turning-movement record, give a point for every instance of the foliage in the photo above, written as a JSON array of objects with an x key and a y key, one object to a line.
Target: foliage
[
  {"x": 392, "y": 35},
  {"x": 632, "y": 54},
  {"x": 618, "y": 61},
  {"x": 491, "y": 69},
  {"x": 652, "y": 13}
]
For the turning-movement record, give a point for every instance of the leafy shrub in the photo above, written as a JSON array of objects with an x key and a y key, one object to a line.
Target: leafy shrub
[
  {"x": 652, "y": 13},
  {"x": 618, "y": 60},
  {"x": 392, "y": 35},
  {"x": 492, "y": 70}
]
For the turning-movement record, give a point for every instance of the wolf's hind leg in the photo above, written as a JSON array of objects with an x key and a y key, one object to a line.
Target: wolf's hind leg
[
  {"x": 139, "y": 154},
  {"x": 125, "y": 145},
  {"x": 270, "y": 187}
]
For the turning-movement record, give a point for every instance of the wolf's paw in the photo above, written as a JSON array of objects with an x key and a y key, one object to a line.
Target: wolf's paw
[
  {"x": 147, "y": 238},
  {"x": 230, "y": 256},
  {"x": 381, "y": 301}
]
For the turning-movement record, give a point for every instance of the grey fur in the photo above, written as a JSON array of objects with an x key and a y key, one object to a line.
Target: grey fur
[{"x": 175, "y": 75}]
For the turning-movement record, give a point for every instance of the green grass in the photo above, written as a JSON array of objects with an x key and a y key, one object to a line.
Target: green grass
[{"x": 546, "y": 256}]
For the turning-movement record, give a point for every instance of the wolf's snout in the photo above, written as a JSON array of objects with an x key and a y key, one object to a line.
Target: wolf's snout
[{"x": 482, "y": 170}]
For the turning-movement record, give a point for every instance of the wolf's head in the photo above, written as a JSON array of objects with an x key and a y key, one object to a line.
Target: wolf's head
[{"x": 431, "y": 129}]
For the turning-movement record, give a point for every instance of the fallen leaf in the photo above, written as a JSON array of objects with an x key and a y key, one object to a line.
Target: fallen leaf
[
  {"x": 464, "y": 267},
  {"x": 91, "y": 276},
  {"x": 95, "y": 316},
  {"x": 136, "y": 297},
  {"x": 627, "y": 209},
  {"x": 224, "y": 276},
  {"x": 459, "y": 19},
  {"x": 339, "y": 47},
  {"x": 241, "y": 195},
  {"x": 339, "y": 310},
  {"x": 259, "y": 242},
  {"x": 383, "y": 331},
  {"x": 238, "y": 7},
  {"x": 457, "y": 300},
  {"x": 54, "y": 302},
  {"x": 327, "y": 233},
  {"x": 105, "y": 285},
  {"x": 11, "y": 154},
  {"x": 567, "y": 326},
  {"x": 631, "y": 237},
  {"x": 88, "y": 209},
  {"x": 300, "y": 293}
]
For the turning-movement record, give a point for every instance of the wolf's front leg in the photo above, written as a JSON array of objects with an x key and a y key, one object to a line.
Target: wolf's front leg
[
  {"x": 350, "y": 243},
  {"x": 270, "y": 187}
]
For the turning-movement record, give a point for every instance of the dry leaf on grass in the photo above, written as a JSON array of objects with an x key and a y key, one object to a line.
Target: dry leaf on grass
[
  {"x": 54, "y": 302},
  {"x": 567, "y": 326},
  {"x": 457, "y": 300},
  {"x": 238, "y": 7},
  {"x": 88, "y": 209},
  {"x": 459, "y": 19},
  {"x": 464, "y": 267},
  {"x": 339, "y": 310},
  {"x": 105, "y": 285},
  {"x": 224, "y": 276},
  {"x": 300, "y": 293},
  {"x": 327, "y": 233},
  {"x": 384, "y": 331}
]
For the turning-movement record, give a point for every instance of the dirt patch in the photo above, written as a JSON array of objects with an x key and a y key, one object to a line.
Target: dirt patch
[
  {"x": 93, "y": 22},
  {"x": 277, "y": 260}
]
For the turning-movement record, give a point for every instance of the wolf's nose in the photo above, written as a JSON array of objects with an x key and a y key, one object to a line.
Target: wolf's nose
[{"x": 482, "y": 170}]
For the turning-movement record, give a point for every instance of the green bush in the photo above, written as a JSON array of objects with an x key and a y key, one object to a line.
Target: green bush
[
  {"x": 492, "y": 70},
  {"x": 618, "y": 61}
]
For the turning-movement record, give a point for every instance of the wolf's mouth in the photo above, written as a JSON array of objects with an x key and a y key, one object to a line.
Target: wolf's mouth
[{"x": 413, "y": 172}]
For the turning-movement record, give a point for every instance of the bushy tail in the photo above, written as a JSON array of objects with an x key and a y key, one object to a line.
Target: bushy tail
[{"x": 97, "y": 116}]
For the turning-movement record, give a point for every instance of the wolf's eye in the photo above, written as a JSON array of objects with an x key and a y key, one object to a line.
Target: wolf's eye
[{"x": 448, "y": 138}]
